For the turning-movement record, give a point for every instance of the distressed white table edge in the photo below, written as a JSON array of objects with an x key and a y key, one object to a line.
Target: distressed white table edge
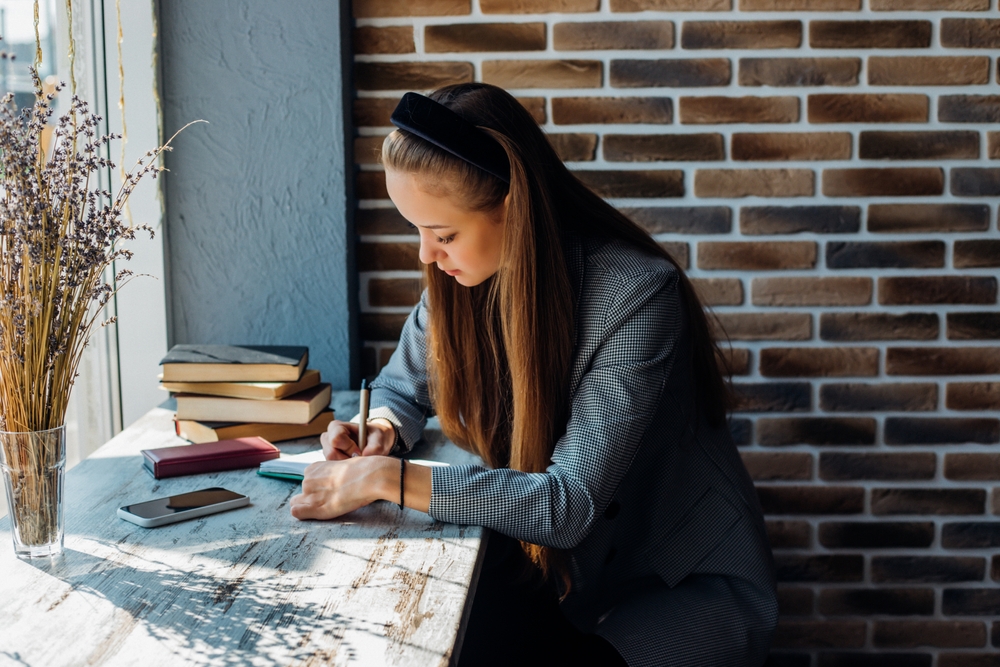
[{"x": 247, "y": 587}]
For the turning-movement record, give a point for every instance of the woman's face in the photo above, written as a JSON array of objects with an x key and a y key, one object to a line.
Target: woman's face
[{"x": 464, "y": 244}]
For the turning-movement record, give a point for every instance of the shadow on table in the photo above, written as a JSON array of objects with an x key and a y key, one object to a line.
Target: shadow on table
[{"x": 205, "y": 619}]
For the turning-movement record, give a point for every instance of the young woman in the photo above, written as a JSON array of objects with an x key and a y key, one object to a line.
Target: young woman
[{"x": 562, "y": 345}]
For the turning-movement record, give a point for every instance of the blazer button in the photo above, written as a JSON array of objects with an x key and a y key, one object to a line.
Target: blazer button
[{"x": 612, "y": 510}]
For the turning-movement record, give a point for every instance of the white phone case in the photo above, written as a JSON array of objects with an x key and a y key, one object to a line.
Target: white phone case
[{"x": 183, "y": 516}]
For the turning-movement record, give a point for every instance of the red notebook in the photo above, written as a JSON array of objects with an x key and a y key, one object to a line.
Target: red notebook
[{"x": 208, "y": 457}]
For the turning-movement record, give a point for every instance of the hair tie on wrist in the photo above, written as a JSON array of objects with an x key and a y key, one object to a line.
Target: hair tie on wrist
[
  {"x": 436, "y": 123},
  {"x": 402, "y": 473}
]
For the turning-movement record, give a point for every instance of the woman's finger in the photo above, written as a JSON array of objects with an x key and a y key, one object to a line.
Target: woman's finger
[{"x": 340, "y": 441}]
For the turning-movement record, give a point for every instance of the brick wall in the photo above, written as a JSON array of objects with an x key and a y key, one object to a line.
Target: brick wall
[{"x": 827, "y": 170}]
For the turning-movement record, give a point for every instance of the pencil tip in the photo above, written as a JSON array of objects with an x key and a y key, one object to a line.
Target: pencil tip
[{"x": 364, "y": 384}]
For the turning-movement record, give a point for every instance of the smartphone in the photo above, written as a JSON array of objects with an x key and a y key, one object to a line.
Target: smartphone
[{"x": 162, "y": 511}]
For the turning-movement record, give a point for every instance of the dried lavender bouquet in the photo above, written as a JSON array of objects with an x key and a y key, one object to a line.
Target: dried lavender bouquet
[{"x": 60, "y": 232}]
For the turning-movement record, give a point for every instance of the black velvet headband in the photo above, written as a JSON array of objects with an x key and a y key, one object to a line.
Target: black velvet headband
[{"x": 444, "y": 128}]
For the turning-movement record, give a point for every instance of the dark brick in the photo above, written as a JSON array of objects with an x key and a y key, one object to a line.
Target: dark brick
[
  {"x": 729, "y": 183},
  {"x": 942, "y": 361},
  {"x": 839, "y": 567},
  {"x": 686, "y": 73},
  {"x": 678, "y": 252},
  {"x": 682, "y": 219},
  {"x": 969, "y": 108},
  {"x": 869, "y": 34},
  {"x": 878, "y": 397},
  {"x": 918, "y": 145},
  {"x": 388, "y": 256},
  {"x": 940, "y": 430},
  {"x": 741, "y": 35},
  {"x": 484, "y": 37},
  {"x": 926, "y": 569},
  {"x": 974, "y": 326},
  {"x": 796, "y": 219},
  {"x": 874, "y": 660},
  {"x": 613, "y": 35},
  {"x": 993, "y": 145},
  {"x": 537, "y": 6},
  {"x": 367, "y": 149},
  {"x": 995, "y": 632},
  {"x": 878, "y": 326},
  {"x": 867, "y": 601},
  {"x": 819, "y": 634},
  {"x": 608, "y": 110},
  {"x": 671, "y": 5},
  {"x": 573, "y": 146},
  {"x": 778, "y": 431},
  {"x": 928, "y": 70},
  {"x": 543, "y": 73},
  {"x": 534, "y": 106},
  {"x": 754, "y": 256},
  {"x": 923, "y": 218},
  {"x": 663, "y": 147},
  {"x": 822, "y": 291},
  {"x": 380, "y": 8},
  {"x": 973, "y": 396},
  {"x": 410, "y": 76},
  {"x": 888, "y": 182},
  {"x": 370, "y": 185},
  {"x": 784, "y": 72},
  {"x": 736, "y": 359},
  {"x": 381, "y": 221},
  {"x": 938, "y": 634},
  {"x": 927, "y": 501},
  {"x": 972, "y": 466},
  {"x": 868, "y": 108},
  {"x": 741, "y": 431},
  {"x": 795, "y": 601},
  {"x": 885, "y": 254},
  {"x": 971, "y": 602},
  {"x": 976, "y": 253},
  {"x": 761, "y": 326},
  {"x": 971, "y": 33},
  {"x": 788, "y": 499},
  {"x": 788, "y": 534},
  {"x": 773, "y": 397},
  {"x": 634, "y": 183},
  {"x": 819, "y": 362},
  {"x": 876, "y": 534},
  {"x": 937, "y": 289},
  {"x": 394, "y": 39},
  {"x": 714, "y": 109},
  {"x": 799, "y": 5},
  {"x": 975, "y": 182},
  {"x": 968, "y": 660},
  {"x": 882, "y": 466},
  {"x": 772, "y": 466},
  {"x": 971, "y": 535},
  {"x": 394, "y": 291},
  {"x": 773, "y": 146},
  {"x": 719, "y": 291},
  {"x": 382, "y": 326}
]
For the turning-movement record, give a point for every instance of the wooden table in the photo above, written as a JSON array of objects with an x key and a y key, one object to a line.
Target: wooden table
[{"x": 252, "y": 586}]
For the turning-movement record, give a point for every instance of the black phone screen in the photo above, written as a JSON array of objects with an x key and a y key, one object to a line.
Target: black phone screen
[{"x": 152, "y": 509}]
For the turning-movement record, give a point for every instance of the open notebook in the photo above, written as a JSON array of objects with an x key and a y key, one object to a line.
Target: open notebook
[{"x": 293, "y": 466}]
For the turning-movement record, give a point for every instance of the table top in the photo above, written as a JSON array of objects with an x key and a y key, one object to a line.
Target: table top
[{"x": 251, "y": 586}]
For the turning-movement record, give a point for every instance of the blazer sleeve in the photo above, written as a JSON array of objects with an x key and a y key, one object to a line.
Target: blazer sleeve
[
  {"x": 400, "y": 393},
  {"x": 633, "y": 346}
]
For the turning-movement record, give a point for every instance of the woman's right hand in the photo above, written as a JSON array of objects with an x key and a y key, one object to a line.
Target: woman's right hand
[{"x": 340, "y": 441}]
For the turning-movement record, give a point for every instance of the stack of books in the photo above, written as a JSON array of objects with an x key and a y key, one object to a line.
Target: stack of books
[{"x": 234, "y": 391}]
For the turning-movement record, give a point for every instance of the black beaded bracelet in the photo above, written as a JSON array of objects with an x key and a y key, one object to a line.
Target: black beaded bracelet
[{"x": 402, "y": 473}]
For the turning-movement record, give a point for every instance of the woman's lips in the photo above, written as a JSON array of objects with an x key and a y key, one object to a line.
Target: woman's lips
[{"x": 451, "y": 272}]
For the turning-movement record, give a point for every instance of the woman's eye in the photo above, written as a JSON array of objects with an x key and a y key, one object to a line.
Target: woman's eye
[{"x": 446, "y": 240}]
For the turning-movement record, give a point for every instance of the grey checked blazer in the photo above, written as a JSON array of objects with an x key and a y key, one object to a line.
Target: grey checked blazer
[{"x": 668, "y": 554}]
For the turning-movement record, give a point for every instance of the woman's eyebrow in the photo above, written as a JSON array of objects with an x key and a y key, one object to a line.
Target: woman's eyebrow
[{"x": 433, "y": 226}]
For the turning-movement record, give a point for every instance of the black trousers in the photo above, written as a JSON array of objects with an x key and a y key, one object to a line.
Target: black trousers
[{"x": 515, "y": 618}]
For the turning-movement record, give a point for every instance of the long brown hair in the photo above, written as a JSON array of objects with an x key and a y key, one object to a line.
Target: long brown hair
[{"x": 499, "y": 353}]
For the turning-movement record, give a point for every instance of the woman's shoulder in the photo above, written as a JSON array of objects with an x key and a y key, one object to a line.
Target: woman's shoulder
[{"x": 623, "y": 263}]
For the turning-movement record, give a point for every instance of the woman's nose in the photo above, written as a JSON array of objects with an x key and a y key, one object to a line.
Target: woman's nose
[{"x": 428, "y": 255}]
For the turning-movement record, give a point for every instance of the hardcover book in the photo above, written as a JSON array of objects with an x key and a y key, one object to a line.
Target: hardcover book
[
  {"x": 234, "y": 363},
  {"x": 260, "y": 391},
  {"x": 206, "y": 431},
  {"x": 301, "y": 408},
  {"x": 210, "y": 457}
]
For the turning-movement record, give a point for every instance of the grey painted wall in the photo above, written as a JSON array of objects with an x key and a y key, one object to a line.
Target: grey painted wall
[{"x": 259, "y": 236}]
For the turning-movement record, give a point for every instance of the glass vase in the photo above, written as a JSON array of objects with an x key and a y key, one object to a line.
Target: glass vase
[{"x": 34, "y": 466}]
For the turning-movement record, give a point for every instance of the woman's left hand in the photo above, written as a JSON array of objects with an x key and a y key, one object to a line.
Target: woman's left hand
[{"x": 333, "y": 488}]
